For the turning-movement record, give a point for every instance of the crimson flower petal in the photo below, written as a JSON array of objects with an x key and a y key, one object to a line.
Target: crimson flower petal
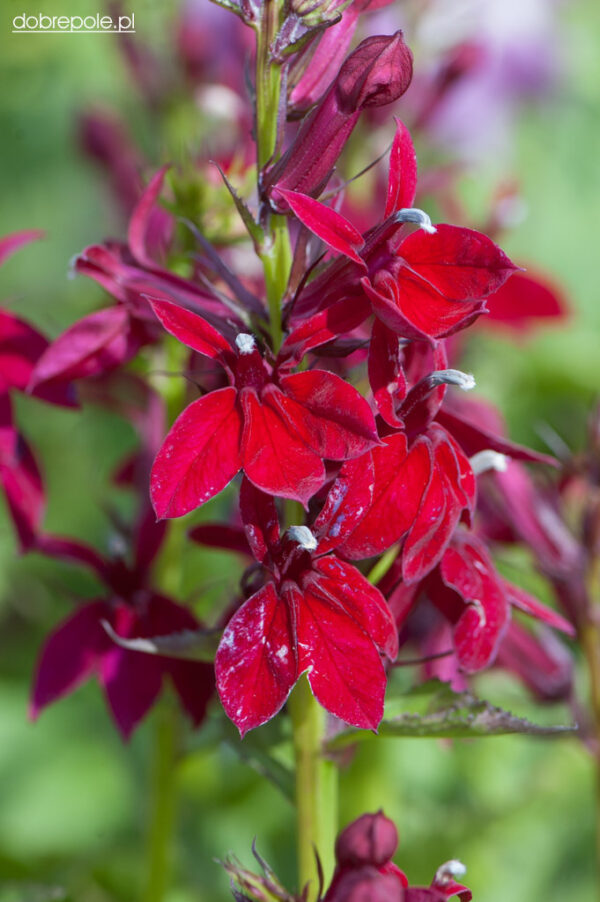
[
  {"x": 276, "y": 456},
  {"x": 95, "y": 344},
  {"x": 260, "y": 519},
  {"x": 331, "y": 227},
  {"x": 402, "y": 180},
  {"x": 220, "y": 535},
  {"x": 255, "y": 663},
  {"x": 386, "y": 377},
  {"x": 525, "y": 299},
  {"x": 190, "y": 329},
  {"x": 338, "y": 420},
  {"x": 340, "y": 582},
  {"x": 346, "y": 504},
  {"x": 22, "y": 483},
  {"x": 10, "y": 244},
  {"x": 401, "y": 478},
  {"x": 140, "y": 218},
  {"x": 70, "y": 655},
  {"x": 325, "y": 326},
  {"x": 467, "y": 568},
  {"x": 522, "y": 600},
  {"x": 343, "y": 666},
  {"x": 384, "y": 295},
  {"x": 200, "y": 455}
]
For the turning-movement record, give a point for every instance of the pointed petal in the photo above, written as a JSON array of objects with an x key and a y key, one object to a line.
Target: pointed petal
[
  {"x": 255, "y": 664},
  {"x": 70, "y": 655},
  {"x": 386, "y": 377},
  {"x": 10, "y": 244},
  {"x": 402, "y": 179},
  {"x": 97, "y": 343},
  {"x": 363, "y": 602},
  {"x": 343, "y": 666},
  {"x": 331, "y": 227},
  {"x": 527, "y": 603},
  {"x": 219, "y": 535},
  {"x": 323, "y": 327},
  {"x": 22, "y": 483},
  {"x": 384, "y": 295},
  {"x": 346, "y": 504},
  {"x": 260, "y": 519},
  {"x": 339, "y": 421},
  {"x": 200, "y": 455},
  {"x": 276, "y": 457},
  {"x": 525, "y": 300},
  {"x": 141, "y": 216},
  {"x": 401, "y": 478},
  {"x": 190, "y": 329},
  {"x": 131, "y": 680},
  {"x": 473, "y": 438}
]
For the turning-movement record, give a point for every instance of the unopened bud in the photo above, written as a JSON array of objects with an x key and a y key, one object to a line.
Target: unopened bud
[{"x": 370, "y": 840}]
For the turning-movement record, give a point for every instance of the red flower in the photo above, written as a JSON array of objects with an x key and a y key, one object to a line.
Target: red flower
[
  {"x": 315, "y": 614},
  {"x": 423, "y": 286},
  {"x": 275, "y": 426}
]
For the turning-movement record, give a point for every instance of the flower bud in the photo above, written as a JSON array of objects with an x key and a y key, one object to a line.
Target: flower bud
[
  {"x": 372, "y": 839},
  {"x": 366, "y": 885},
  {"x": 377, "y": 72}
]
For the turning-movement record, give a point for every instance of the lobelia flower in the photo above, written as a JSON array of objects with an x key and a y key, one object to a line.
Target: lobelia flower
[
  {"x": 376, "y": 73},
  {"x": 276, "y": 426},
  {"x": 315, "y": 614},
  {"x": 365, "y": 871},
  {"x": 466, "y": 588},
  {"x": 423, "y": 286},
  {"x": 80, "y": 647}
]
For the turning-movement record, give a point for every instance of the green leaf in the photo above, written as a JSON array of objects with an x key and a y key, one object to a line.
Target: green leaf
[
  {"x": 252, "y": 227},
  {"x": 450, "y": 715}
]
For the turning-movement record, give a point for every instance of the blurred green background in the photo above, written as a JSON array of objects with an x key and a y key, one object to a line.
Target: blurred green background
[{"x": 73, "y": 798}]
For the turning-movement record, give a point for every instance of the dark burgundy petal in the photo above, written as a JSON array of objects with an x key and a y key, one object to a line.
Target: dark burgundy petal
[
  {"x": 386, "y": 377},
  {"x": 460, "y": 264},
  {"x": 148, "y": 539},
  {"x": 200, "y": 455},
  {"x": 22, "y": 483},
  {"x": 219, "y": 535},
  {"x": 190, "y": 329},
  {"x": 401, "y": 478},
  {"x": 346, "y": 504},
  {"x": 276, "y": 455},
  {"x": 343, "y": 666},
  {"x": 260, "y": 519},
  {"x": 70, "y": 655},
  {"x": 402, "y": 180},
  {"x": 337, "y": 419},
  {"x": 341, "y": 583},
  {"x": 467, "y": 568},
  {"x": 473, "y": 438},
  {"x": 540, "y": 660},
  {"x": 370, "y": 839},
  {"x": 97, "y": 343},
  {"x": 255, "y": 663},
  {"x": 72, "y": 551},
  {"x": 525, "y": 300},
  {"x": 141, "y": 218},
  {"x": 10, "y": 244},
  {"x": 331, "y": 227},
  {"x": 522, "y": 600},
  {"x": 131, "y": 680}
]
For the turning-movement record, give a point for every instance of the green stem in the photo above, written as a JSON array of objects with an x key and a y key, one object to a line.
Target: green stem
[
  {"x": 316, "y": 790},
  {"x": 277, "y": 261},
  {"x": 268, "y": 84},
  {"x": 162, "y": 813},
  {"x": 382, "y": 566}
]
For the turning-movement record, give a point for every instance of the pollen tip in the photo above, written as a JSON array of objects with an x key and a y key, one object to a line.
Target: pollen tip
[
  {"x": 487, "y": 460},
  {"x": 448, "y": 870},
  {"x": 464, "y": 381},
  {"x": 245, "y": 343},
  {"x": 419, "y": 217},
  {"x": 303, "y": 537}
]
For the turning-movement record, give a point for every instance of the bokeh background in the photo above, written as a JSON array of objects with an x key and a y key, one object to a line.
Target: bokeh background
[{"x": 73, "y": 799}]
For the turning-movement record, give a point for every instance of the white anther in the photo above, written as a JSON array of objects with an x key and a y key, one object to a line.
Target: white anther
[
  {"x": 303, "y": 536},
  {"x": 487, "y": 460},
  {"x": 413, "y": 214},
  {"x": 466, "y": 381},
  {"x": 245, "y": 343},
  {"x": 449, "y": 870}
]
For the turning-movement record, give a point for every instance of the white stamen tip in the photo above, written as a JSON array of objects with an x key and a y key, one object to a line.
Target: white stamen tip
[
  {"x": 245, "y": 343},
  {"x": 488, "y": 460},
  {"x": 419, "y": 217},
  {"x": 448, "y": 870},
  {"x": 465, "y": 381},
  {"x": 303, "y": 536}
]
